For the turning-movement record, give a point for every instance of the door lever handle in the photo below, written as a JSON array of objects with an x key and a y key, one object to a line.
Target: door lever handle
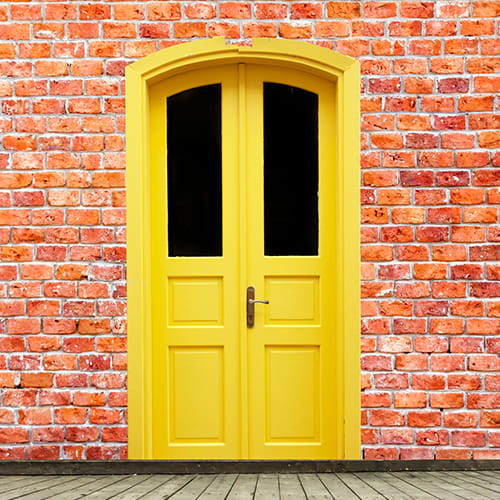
[{"x": 250, "y": 306}]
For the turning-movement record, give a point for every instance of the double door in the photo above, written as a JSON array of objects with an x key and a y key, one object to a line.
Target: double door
[{"x": 243, "y": 305}]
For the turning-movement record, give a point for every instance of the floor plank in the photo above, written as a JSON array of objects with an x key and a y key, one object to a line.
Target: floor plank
[
  {"x": 97, "y": 483},
  {"x": 220, "y": 487},
  {"x": 290, "y": 487},
  {"x": 474, "y": 487},
  {"x": 243, "y": 488},
  {"x": 407, "y": 488},
  {"x": 423, "y": 483},
  {"x": 194, "y": 488},
  {"x": 358, "y": 486},
  {"x": 117, "y": 487},
  {"x": 7, "y": 485},
  {"x": 336, "y": 487},
  {"x": 169, "y": 487},
  {"x": 484, "y": 478},
  {"x": 267, "y": 487},
  {"x": 140, "y": 489},
  {"x": 54, "y": 487},
  {"x": 29, "y": 489},
  {"x": 383, "y": 487},
  {"x": 313, "y": 487},
  {"x": 493, "y": 474}
]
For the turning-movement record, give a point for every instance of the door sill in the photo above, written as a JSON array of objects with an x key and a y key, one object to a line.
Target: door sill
[{"x": 77, "y": 467}]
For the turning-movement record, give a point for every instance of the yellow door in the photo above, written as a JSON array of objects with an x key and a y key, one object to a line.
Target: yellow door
[{"x": 242, "y": 182}]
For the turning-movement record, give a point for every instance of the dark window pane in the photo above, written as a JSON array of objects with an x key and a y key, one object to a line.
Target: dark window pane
[
  {"x": 290, "y": 170},
  {"x": 194, "y": 173}
]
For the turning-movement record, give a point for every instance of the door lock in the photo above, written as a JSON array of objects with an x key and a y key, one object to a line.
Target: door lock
[{"x": 251, "y": 301}]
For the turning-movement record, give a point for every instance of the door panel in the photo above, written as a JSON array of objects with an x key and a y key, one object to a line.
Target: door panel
[
  {"x": 195, "y": 345},
  {"x": 220, "y": 389},
  {"x": 290, "y": 354}
]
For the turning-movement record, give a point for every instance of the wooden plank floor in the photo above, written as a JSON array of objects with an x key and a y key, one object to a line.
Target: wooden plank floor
[{"x": 344, "y": 486}]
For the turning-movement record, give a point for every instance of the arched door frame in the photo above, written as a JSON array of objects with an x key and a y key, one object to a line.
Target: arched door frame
[{"x": 344, "y": 72}]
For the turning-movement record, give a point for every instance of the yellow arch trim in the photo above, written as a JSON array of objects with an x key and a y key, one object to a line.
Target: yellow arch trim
[{"x": 344, "y": 71}]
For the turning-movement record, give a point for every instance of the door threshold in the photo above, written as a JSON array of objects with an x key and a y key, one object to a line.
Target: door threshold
[{"x": 101, "y": 467}]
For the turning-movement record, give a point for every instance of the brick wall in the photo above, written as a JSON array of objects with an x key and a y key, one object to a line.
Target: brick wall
[{"x": 430, "y": 214}]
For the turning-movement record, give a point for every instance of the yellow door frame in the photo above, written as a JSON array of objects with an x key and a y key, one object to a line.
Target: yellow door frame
[{"x": 344, "y": 73}]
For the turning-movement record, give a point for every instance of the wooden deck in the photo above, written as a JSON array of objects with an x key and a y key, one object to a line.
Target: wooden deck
[{"x": 345, "y": 486}]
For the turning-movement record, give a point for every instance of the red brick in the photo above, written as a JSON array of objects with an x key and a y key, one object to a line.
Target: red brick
[
  {"x": 397, "y": 234},
  {"x": 369, "y": 436},
  {"x": 431, "y": 308},
  {"x": 447, "y": 362},
  {"x": 431, "y": 344},
  {"x": 466, "y": 344},
  {"x": 468, "y": 438},
  {"x": 429, "y": 271},
  {"x": 409, "y": 325},
  {"x": 396, "y": 308},
  {"x": 114, "y": 434},
  {"x": 465, "y": 382},
  {"x": 36, "y": 380},
  {"x": 375, "y": 400},
  {"x": 376, "y": 363},
  {"x": 107, "y": 380},
  {"x": 71, "y": 380},
  {"x": 393, "y": 197},
  {"x": 449, "y": 289},
  {"x": 437, "y": 437},
  {"x": 259, "y": 29},
  {"x": 306, "y": 10},
  {"x": 412, "y": 290},
  {"x": 396, "y": 436},
  {"x": 483, "y": 401},
  {"x": 377, "y": 326},
  {"x": 381, "y": 453},
  {"x": 297, "y": 31},
  {"x": 390, "y": 381},
  {"x": 461, "y": 419},
  {"x": 424, "y": 418},
  {"x": 394, "y": 272},
  {"x": 82, "y": 434},
  {"x": 453, "y": 454},
  {"x": 395, "y": 344},
  {"x": 412, "y": 252},
  {"x": 484, "y": 363},
  {"x": 410, "y": 400},
  {"x": 449, "y": 252},
  {"x": 105, "y": 416},
  {"x": 428, "y": 382},
  {"x": 412, "y": 362},
  {"x": 451, "y": 326},
  {"x": 89, "y": 399},
  {"x": 14, "y": 435},
  {"x": 446, "y": 400},
  {"x": 23, "y": 325}
]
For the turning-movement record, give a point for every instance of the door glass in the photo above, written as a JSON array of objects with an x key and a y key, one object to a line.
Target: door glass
[
  {"x": 194, "y": 164},
  {"x": 290, "y": 170}
]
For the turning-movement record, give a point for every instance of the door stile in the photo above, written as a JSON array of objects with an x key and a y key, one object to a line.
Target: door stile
[
  {"x": 157, "y": 190},
  {"x": 244, "y": 167}
]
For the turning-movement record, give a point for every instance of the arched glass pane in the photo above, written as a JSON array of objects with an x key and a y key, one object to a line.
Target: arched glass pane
[
  {"x": 290, "y": 170},
  {"x": 194, "y": 164}
]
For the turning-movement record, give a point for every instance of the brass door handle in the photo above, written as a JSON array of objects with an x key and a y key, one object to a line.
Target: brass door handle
[{"x": 251, "y": 307}]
